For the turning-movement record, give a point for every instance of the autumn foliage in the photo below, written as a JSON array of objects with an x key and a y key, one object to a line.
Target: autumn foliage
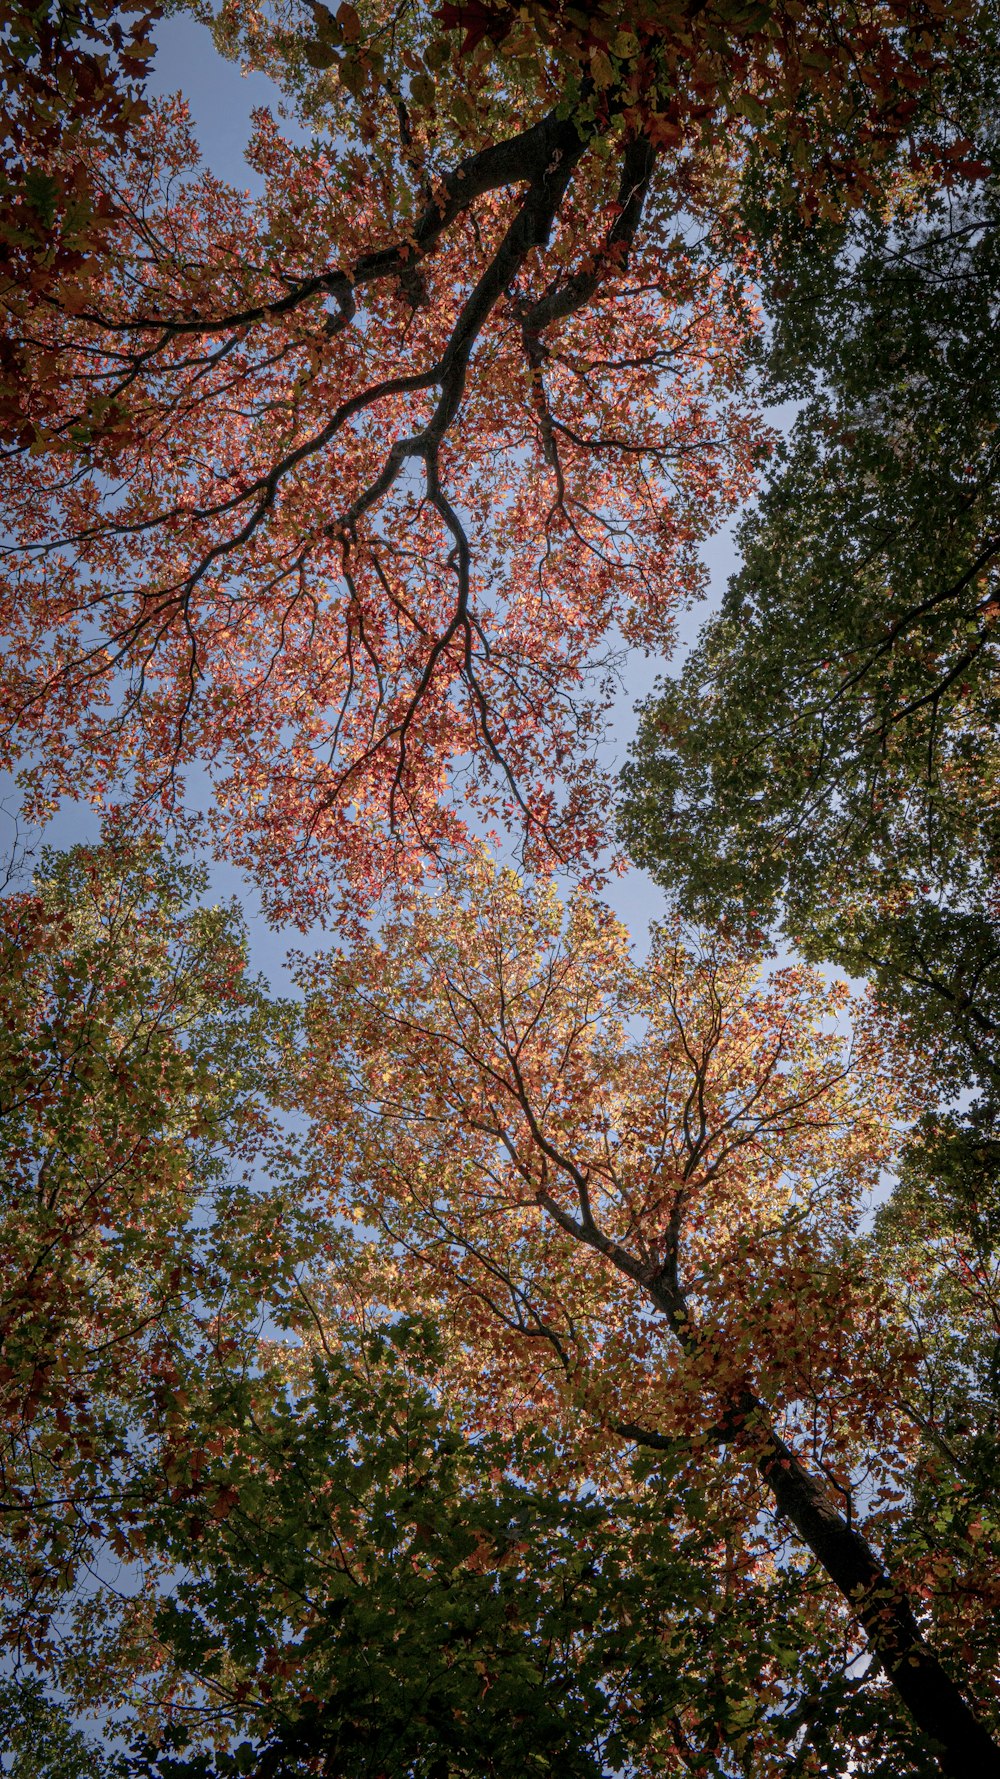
[
  {"x": 564, "y": 1140},
  {"x": 72, "y": 80},
  {"x": 828, "y": 94},
  {"x": 515, "y": 1287},
  {"x": 129, "y": 1119},
  {"x": 351, "y": 488}
]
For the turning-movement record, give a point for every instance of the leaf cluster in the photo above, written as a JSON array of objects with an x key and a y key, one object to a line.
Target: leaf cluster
[
  {"x": 826, "y": 759},
  {"x": 136, "y": 1242},
  {"x": 368, "y": 1590}
]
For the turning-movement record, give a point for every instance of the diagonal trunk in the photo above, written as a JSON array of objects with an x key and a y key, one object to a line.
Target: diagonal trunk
[{"x": 965, "y": 1749}]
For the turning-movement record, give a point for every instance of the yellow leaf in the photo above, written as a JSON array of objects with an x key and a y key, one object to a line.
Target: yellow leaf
[{"x": 601, "y": 67}]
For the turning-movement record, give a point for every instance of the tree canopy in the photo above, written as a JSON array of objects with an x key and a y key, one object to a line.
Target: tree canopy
[
  {"x": 385, "y": 1594},
  {"x": 348, "y": 489},
  {"x": 137, "y": 1244},
  {"x": 653, "y": 1241},
  {"x": 826, "y": 758},
  {"x": 516, "y": 1352}
]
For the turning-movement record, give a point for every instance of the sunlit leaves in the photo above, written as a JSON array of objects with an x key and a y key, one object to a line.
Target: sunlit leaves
[{"x": 135, "y": 1241}]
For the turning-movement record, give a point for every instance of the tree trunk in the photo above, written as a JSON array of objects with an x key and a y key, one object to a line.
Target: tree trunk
[{"x": 964, "y": 1748}]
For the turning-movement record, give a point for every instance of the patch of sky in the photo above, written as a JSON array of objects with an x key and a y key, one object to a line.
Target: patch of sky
[{"x": 220, "y": 96}]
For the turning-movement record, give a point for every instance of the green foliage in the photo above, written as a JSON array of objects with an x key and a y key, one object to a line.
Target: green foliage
[
  {"x": 40, "y": 1741},
  {"x": 828, "y": 756},
  {"x": 940, "y": 1231},
  {"x": 136, "y": 1244},
  {"x": 368, "y": 1589},
  {"x": 375, "y": 1588}
]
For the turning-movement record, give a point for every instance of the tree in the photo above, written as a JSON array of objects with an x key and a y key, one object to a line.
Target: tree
[
  {"x": 42, "y": 1742},
  {"x": 71, "y": 77},
  {"x": 136, "y": 1247},
  {"x": 827, "y": 757},
  {"x": 645, "y": 1236},
  {"x": 386, "y": 1595},
  {"x": 347, "y": 490},
  {"x": 937, "y": 1238}
]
